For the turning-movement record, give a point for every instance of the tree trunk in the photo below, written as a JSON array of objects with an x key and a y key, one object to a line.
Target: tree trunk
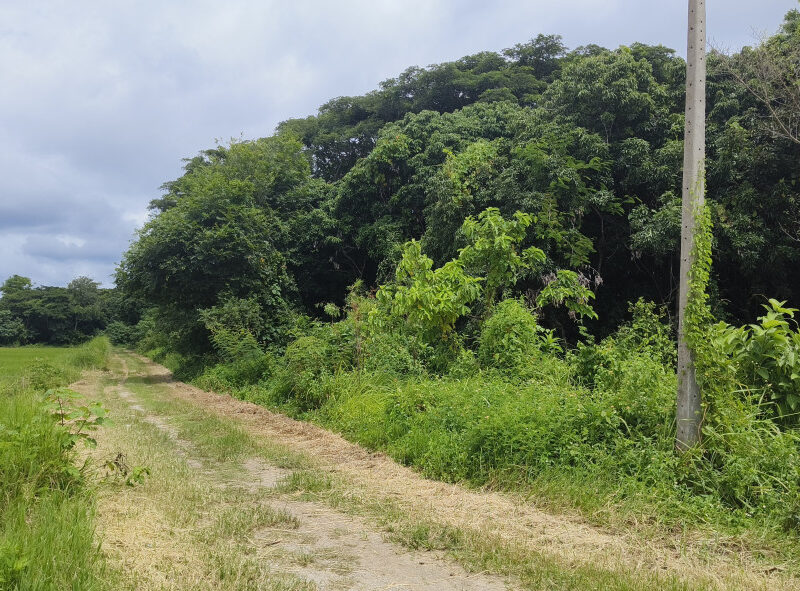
[{"x": 689, "y": 411}]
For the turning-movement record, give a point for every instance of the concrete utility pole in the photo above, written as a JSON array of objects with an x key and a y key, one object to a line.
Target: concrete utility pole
[{"x": 689, "y": 412}]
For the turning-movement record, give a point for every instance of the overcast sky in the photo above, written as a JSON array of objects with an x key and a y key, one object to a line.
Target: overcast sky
[{"x": 100, "y": 101}]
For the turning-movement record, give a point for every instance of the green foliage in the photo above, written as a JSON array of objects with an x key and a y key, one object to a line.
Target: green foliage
[
  {"x": 634, "y": 370},
  {"x": 569, "y": 289},
  {"x": 492, "y": 250},
  {"x": 487, "y": 180},
  {"x": 53, "y": 315},
  {"x": 46, "y": 526},
  {"x": 235, "y": 326},
  {"x": 122, "y": 334},
  {"x": 391, "y": 355},
  {"x": 646, "y": 335},
  {"x": 511, "y": 338},
  {"x": 766, "y": 357},
  {"x": 611, "y": 93},
  {"x": 76, "y": 419},
  {"x": 427, "y": 301},
  {"x": 131, "y": 476},
  {"x": 223, "y": 233},
  {"x": 588, "y": 143},
  {"x": 698, "y": 315},
  {"x": 12, "y": 329},
  {"x": 309, "y": 360}
]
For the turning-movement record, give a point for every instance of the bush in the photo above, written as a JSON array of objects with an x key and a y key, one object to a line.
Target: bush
[
  {"x": 511, "y": 336},
  {"x": 41, "y": 375},
  {"x": 237, "y": 374},
  {"x": 121, "y": 334},
  {"x": 236, "y": 327},
  {"x": 389, "y": 354},
  {"x": 305, "y": 361},
  {"x": 766, "y": 358},
  {"x": 646, "y": 336}
]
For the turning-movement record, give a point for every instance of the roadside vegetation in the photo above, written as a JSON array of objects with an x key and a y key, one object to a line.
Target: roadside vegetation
[{"x": 46, "y": 504}]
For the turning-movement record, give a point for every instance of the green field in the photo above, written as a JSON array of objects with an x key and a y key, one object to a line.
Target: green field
[{"x": 14, "y": 361}]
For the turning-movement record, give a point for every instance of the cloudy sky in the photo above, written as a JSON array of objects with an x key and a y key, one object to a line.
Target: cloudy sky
[{"x": 99, "y": 101}]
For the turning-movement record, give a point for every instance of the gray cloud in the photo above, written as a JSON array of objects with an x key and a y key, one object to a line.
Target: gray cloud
[{"x": 100, "y": 101}]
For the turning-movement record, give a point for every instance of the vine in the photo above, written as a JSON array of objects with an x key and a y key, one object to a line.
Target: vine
[{"x": 697, "y": 316}]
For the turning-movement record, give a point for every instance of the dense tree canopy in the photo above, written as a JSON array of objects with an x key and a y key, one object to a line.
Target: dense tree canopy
[{"x": 588, "y": 143}]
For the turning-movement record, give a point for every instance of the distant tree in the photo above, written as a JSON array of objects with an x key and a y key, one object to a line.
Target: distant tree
[
  {"x": 541, "y": 54},
  {"x": 12, "y": 329},
  {"x": 18, "y": 297},
  {"x": 85, "y": 308},
  {"x": 228, "y": 235},
  {"x": 770, "y": 72}
]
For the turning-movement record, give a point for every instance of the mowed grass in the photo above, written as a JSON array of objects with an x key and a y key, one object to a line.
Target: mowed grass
[
  {"x": 46, "y": 507},
  {"x": 189, "y": 525}
]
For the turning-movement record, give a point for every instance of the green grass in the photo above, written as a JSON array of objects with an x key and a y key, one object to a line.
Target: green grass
[
  {"x": 15, "y": 361},
  {"x": 46, "y": 509}
]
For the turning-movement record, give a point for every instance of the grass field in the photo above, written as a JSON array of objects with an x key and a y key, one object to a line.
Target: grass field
[{"x": 15, "y": 361}]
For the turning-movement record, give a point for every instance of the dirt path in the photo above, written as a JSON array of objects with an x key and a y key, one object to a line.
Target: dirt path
[
  {"x": 309, "y": 545},
  {"x": 341, "y": 551}
]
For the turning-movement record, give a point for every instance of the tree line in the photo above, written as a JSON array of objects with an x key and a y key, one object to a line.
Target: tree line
[
  {"x": 57, "y": 315},
  {"x": 587, "y": 142}
]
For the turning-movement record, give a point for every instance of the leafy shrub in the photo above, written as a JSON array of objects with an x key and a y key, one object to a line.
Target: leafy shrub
[
  {"x": 766, "y": 356},
  {"x": 41, "y": 375},
  {"x": 465, "y": 365},
  {"x": 36, "y": 451},
  {"x": 125, "y": 335},
  {"x": 511, "y": 336},
  {"x": 633, "y": 372},
  {"x": 641, "y": 391},
  {"x": 745, "y": 460},
  {"x": 306, "y": 360},
  {"x": 569, "y": 289},
  {"x": 237, "y": 374},
  {"x": 646, "y": 335},
  {"x": 390, "y": 354},
  {"x": 426, "y": 301},
  {"x": 493, "y": 250},
  {"x": 236, "y": 326}
]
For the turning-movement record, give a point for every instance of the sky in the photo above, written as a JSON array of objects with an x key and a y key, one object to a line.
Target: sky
[{"x": 101, "y": 100}]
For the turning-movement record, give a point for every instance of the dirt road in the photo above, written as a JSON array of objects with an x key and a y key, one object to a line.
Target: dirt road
[{"x": 239, "y": 497}]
